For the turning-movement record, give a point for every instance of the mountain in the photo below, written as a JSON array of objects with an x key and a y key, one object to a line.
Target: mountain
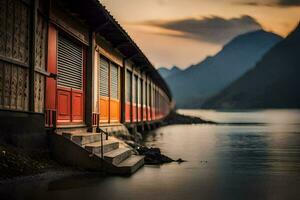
[
  {"x": 273, "y": 83},
  {"x": 165, "y": 72},
  {"x": 199, "y": 82}
]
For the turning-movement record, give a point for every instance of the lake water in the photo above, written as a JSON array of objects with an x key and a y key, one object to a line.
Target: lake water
[{"x": 255, "y": 161}]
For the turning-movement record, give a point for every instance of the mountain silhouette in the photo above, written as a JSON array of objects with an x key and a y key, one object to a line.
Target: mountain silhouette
[
  {"x": 273, "y": 83},
  {"x": 191, "y": 87},
  {"x": 165, "y": 72}
]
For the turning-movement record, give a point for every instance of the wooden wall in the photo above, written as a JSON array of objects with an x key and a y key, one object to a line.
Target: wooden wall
[{"x": 14, "y": 55}]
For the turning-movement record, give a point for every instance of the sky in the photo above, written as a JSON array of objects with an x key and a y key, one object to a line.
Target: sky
[{"x": 184, "y": 32}]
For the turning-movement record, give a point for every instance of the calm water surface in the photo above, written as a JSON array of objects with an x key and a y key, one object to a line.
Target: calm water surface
[{"x": 224, "y": 162}]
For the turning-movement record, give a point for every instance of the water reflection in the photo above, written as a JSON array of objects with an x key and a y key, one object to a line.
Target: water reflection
[
  {"x": 75, "y": 182},
  {"x": 224, "y": 162}
]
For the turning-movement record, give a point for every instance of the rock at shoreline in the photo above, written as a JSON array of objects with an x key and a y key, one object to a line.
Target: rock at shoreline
[
  {"x": 176, "y": 118},
  {"x": 153, "y": 156}
]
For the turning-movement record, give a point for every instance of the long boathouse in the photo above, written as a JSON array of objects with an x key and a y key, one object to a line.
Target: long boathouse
[{"x": 67, "y": 68}]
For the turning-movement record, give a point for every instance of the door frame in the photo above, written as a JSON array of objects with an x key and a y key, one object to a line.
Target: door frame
[{"x": 53, "y": 89}]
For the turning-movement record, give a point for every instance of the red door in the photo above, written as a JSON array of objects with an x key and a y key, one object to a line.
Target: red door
[{"x": 70, "y": 82}]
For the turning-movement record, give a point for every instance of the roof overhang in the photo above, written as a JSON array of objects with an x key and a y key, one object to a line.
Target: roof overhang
[{"x": 102, "y": 22}]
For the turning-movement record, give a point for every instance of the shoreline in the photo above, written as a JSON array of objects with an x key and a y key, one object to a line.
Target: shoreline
[
  {"x": 175, "y": 118},
  {"x": 19, "y": 164}
]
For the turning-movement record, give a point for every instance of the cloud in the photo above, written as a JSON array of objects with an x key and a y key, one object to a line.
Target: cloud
[
  {"x": 212, "y": 29},
  {"x": 278, "y": 3},
  {"x": 162, "y": 2}
]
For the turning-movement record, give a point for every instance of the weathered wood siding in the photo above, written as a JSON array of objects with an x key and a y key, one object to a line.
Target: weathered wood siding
[
  {"x": 14, "y": 55},
  {"x": 40, "y": 63}
]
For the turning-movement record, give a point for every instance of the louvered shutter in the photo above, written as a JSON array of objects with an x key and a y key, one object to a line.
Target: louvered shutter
[
  {"x": 69, "y": 63},
  {"x": 128, "y": 86},
  {"x": 134, "y": 90},
  {"x": 104, "y": 74},
  {"x": 149, "y": 95},
  {"x": 114, "y": 82},
  {"x": 139, "y": 91},
  {"x": 144, "y": 92}
]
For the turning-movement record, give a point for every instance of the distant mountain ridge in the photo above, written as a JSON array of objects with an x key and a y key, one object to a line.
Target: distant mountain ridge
[
  {"x": 273, "y": 83},
  {"x": 165, "y": 72},
  {"x": 199, "y": 82}
]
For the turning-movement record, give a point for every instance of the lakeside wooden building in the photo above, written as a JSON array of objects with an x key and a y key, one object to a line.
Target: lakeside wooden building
[{"x": 67, "y": 64}]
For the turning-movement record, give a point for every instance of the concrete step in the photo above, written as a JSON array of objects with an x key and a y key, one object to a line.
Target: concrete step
[
  {"x": 130, "y": 165},
  {"x": 117, "y": 156},
  {"x": 108, "y": 145},
  {"x": 83, "y": 138}
]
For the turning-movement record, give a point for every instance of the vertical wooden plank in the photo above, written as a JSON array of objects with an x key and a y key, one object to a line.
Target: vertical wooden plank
[
  {"x": 16, "y": 35},
  {"x": 42, "y": 94},
  {"x": 26, "y": 91},
  {"x": 24, "y": 34},
  {"x": 44, "y": 44},
  {"x": 32, "y": 57},
  {"x": 36, "y": 92},
  {"x": 40, "y": 50},
  {"x": 37, "y": 60},
  {"x": 16, "y": 51},
  {"x": 20, "y": 89},
  {"x": 1, "y": 83},
  {"x": 7, "y": 78},
  {"x": 3, "y": 5},
  {"x": 9, "y": 28},
  {"x": 13, "y": 87}
]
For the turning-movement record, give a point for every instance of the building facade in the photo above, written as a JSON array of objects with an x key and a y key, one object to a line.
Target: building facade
[{"x": 68, "y": 64}]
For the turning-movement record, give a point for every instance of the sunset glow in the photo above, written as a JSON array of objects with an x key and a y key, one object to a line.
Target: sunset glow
[{"x": 168, "y": 47}]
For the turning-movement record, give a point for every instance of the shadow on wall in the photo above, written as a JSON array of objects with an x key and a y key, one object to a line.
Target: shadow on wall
[{"x": 25, "y": 130}]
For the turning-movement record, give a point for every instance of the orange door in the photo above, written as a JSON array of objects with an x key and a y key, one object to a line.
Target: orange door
[{"x": 103, "y": 66}]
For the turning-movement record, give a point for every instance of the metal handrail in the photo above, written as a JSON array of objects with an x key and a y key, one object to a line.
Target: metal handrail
[{"x": 101, "y": 131}]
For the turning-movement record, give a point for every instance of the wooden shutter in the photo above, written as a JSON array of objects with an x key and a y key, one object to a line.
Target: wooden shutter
[
  {"x": 134, "y": 89},
  {"x": 139, "y": 91},
  {"x": 128, "y": 86},
  {"x": 149, "y": 95},
  {"x": 69, "y": 63},
  {"x": 144, "y": 92},
  {"x": 114, "y": 82},
  {"x": 104, "y": 74}
]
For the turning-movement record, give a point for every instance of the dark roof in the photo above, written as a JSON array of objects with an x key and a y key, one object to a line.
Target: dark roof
[{"x": 102, "y": 22}]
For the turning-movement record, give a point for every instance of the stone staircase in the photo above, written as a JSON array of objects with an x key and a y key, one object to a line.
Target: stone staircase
[{"x": 85, "y": 150}]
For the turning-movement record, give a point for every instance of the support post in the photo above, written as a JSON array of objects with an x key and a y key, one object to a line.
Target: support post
[
  {"x": 123, "y": 91},
  {"x": 89, "y": 81},
  {"x": 142, "y": 97},
  {"x": 32, "y": 54}
]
